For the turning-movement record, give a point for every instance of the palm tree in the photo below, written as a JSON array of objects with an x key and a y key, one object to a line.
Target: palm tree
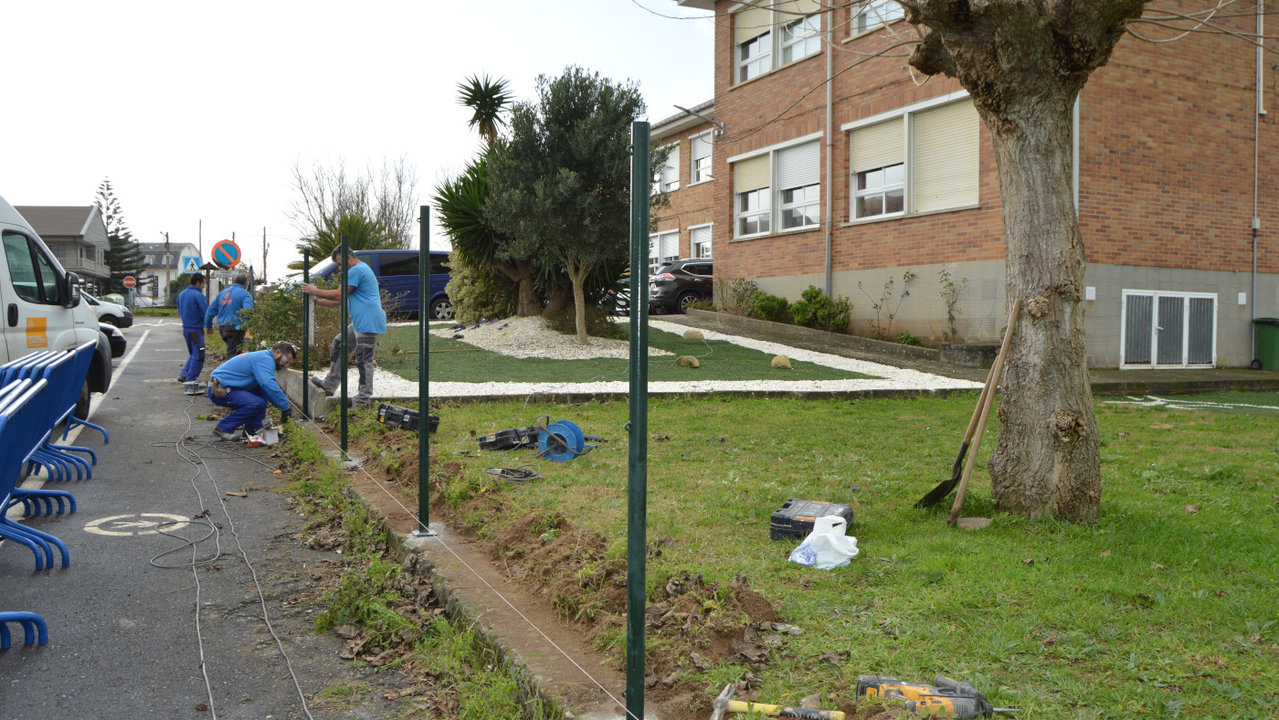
[
  {"x": 361, "y": 234},
  {"x": 487, "y": 98}
]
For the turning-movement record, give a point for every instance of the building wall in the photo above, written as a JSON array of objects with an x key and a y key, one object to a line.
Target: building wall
[
  {"x": 1166, "y": 186},
  {"x": 692, "y": 204}
]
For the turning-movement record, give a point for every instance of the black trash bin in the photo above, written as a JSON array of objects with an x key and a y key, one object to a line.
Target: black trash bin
[{"x": 1267, "y": 343}]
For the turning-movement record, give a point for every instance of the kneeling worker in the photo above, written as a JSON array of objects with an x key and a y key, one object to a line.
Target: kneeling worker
[{"x": 245, "y": 383}]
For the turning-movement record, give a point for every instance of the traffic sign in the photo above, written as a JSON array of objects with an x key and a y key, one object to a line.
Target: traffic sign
[
  {"x": 190, "y": 265},
  {"x": 226, "y": 254},
  {"x": 130, "y": 281}
]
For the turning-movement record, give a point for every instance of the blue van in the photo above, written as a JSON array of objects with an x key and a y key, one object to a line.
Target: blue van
[{"x": 396, "y": 272}]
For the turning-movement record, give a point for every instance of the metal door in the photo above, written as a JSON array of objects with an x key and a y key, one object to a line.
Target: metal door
[{"x": 1169, "y": 329}]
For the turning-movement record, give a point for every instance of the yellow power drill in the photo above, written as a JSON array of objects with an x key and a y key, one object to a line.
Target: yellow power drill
[{"x": 944, "y": 698}]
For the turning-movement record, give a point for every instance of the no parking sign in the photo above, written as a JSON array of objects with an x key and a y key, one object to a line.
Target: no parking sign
[{"x": 226, "y": 254}]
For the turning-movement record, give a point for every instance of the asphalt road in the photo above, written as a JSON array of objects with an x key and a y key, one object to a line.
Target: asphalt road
[{"x": 137, "y": 632}]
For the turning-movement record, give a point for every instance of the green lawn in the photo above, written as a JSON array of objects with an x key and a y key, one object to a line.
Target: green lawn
[
  {"x": 456, "y": 361},
  {"x": 1164, "y": 607}
]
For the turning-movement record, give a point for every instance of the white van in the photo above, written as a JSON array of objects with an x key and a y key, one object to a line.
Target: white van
[{"x": 41, "y": 304}]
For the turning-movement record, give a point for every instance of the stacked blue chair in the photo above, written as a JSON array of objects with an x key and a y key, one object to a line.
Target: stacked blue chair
[
  {"x": 17, "y": 401},
  {"x": 60, "y": 371},
  {"x": 83, "y": 361},
  {"x": 20, "y": 432}
]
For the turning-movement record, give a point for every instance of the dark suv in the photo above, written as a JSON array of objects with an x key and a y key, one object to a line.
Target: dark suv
[{"x": 680, "y": 283}]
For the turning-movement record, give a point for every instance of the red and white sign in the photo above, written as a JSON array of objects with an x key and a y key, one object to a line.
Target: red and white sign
[{"x": 130, "y": 281}]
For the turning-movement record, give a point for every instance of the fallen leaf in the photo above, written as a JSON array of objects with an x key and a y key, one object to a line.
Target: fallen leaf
[
  {"x": 1028, "y": 561},
  {"x": 237, "y": 493},
  {"x": 699, "y": 662},
  {"x": 1190, "y": 508},
  {"x": 1105, "y": 553},
  {"x": 1050, "y": 641},
  {"x": 831, "y": 657},
  {"x": 1157, "y": 566},
  {"x": 811, "y": 702}
]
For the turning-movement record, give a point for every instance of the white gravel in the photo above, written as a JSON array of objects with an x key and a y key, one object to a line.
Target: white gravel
[{"x": 527, "y": 337}]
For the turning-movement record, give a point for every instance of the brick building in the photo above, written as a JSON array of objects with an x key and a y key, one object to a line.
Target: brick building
[
  {"x": 687, "y": 227},
  {"x": 838, "y": 167}
]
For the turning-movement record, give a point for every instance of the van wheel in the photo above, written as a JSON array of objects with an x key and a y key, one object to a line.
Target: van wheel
[
  {"x": 442, "y": 309},
  {"x": 82, "y": 404}
]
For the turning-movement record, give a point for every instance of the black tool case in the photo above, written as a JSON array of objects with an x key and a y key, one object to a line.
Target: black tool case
[
  {"x": 795, "y": 518},
  {"x": 510, "y": 439},
  {"x": 403, "y": 418}
]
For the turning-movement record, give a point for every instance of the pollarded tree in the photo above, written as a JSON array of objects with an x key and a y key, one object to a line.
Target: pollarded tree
[
  {"x": 1024, "y": 64},
  {"x": 123, "y": 255},
  {"x": 562, "y": 181}
]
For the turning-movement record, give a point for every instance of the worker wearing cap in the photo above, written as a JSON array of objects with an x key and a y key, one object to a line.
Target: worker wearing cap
[
  {"x": 368, "y": 320},
  {"x": 228, "y": 307},
  {"x": 246, "y": 383},
  {"x": 192, "y": 307}
]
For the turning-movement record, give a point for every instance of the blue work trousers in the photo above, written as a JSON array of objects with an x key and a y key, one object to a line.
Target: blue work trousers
[
  {"x": 195, "y": 349},
  {"x": 248, "y": 408}
]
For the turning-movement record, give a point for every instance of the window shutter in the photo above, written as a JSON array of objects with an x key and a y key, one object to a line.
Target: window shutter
[
  {"x": 701, "y": 147},
  {"x": 798, "y": 166},
  {"x": 670, "y": 170},
  {"x": 697, "y": 236},
  {"x": 945, "y": 157},
  {"x": 792, "y": 10},
  {"x": 751, "y": 22},
  {"x": 751, "y": 174},
  {"x": 878, "y": 145}
]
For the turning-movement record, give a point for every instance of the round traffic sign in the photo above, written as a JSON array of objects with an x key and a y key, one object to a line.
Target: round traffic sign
[
  {"x": 130, "y": 281},
  {"x": 226, "y": 254}
]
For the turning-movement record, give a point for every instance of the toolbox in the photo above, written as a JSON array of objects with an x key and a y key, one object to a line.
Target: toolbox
[
  {"x": 510, "y": 439},
  {"x": 795, "y": 518},
  {"x": 403, "y": 418}
]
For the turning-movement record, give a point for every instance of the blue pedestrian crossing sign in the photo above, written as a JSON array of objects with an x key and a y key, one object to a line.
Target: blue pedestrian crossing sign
[
  {"x": 190, "y": 265},
  {"x": 226, "y": 254}
]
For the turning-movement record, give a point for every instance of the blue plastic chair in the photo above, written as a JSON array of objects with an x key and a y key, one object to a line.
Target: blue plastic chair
[
  {"x": 20, "y": 419},
  {"x": 83, "y": 361},
  {"x": 31, "y": 625},
  {"x": 59, "y": 370}
]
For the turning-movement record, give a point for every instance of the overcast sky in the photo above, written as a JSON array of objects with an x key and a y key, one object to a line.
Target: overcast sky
[{"x": 198, "y": 111}]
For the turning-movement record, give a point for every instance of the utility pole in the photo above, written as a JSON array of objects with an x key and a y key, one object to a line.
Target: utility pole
[
  {"x": 263, "y": 254},
  {"x": 167, "y": 279}
]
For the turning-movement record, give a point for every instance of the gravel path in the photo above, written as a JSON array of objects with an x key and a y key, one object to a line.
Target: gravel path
[{"x": 527, "y": 337}]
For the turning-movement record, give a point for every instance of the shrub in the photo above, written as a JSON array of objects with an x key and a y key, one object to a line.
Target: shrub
[
  {"x": 736, "y": 297},
  {"x": 908, "y": 338},
  {"x": 478, "y": 294},
  {"x": 817, "y": 310},
  {"x": 277, "y": 316},
  {"x": 771, "y": 307}
]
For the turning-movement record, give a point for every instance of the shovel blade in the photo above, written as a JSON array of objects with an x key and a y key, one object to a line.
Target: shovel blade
[{"x": 943, "y": 489}]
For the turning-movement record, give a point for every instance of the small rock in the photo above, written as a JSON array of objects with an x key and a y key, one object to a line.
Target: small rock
[
  {"x": 687, "y": 361},
  {"x": 972, "y": 523},
  {"x": 780, "y": 362},
  {"x": 694, "y": 335}
]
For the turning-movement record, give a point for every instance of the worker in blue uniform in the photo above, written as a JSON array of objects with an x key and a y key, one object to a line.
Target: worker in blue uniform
[
  {"x": 245, "y": 384},
  {"x": 192, "y": 307}
]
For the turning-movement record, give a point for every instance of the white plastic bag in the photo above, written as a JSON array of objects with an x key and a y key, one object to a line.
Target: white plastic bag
[{"x": 826, "y": 547}]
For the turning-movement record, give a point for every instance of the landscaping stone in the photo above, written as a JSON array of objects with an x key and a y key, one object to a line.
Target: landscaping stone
[
  {"x": 780, "y": 362},
  {"x": 687, "y": 361},
  {"x": 694, "y": 335}
]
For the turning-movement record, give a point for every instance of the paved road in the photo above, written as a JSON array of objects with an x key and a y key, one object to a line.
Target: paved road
[{"x": 135, "y": 632}]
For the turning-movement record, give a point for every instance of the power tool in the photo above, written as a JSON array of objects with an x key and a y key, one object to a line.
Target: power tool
[{"x": 944, "y": 697}]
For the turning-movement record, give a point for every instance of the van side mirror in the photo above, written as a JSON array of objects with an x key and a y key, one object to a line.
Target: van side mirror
[{"x": 69, "y": 288}]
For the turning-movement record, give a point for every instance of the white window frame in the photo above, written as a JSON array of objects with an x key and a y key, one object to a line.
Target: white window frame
[
  {"x": 772, "y": 192},
  {"x": 904, "y": 115},
  {"x": 808, "y": 208},
  {"x": 882, "y": 190},
  {"x": 668, "y": 173},
  {"x": 693, "y": 246},
  {"x": 761, "y": 214},
  {"x": 696, "y": 174},
  {"x": 875, "y": 14},
  {"x": 809, "y": 42},
  {"x": 752, "y": 66},
  {"x": 661, "y": 242}
]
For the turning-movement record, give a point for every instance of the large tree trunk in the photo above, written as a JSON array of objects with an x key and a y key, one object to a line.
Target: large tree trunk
[
  {"x": 1024, "y": 64},
  {"x": 1047, "y": 461},
  {"x": 577, "y": 274},
  {"x": 527, "y": 301}
]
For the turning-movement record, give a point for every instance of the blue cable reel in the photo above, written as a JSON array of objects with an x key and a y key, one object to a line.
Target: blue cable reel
[{"x": 562, "y": 441}]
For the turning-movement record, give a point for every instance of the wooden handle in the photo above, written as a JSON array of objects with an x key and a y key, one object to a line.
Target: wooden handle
[{"x": 995, "y": 371}]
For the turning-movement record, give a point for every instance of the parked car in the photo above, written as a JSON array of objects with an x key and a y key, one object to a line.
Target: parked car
[
  {"x": 680, "y": 283},
  {"x": 617, "y": 299},
  {"x": 397, "y": 277},
  {"x": 109, "y": 312},
  {"x": 118, "y": 342}
]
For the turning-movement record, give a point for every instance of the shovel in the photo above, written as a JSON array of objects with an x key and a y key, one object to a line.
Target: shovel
[{"x": 943, "y": 489}]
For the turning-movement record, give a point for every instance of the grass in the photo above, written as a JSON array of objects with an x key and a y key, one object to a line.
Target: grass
[
  {"x": 1164, "y": 607},
  {"x": 456, "y": 361}
]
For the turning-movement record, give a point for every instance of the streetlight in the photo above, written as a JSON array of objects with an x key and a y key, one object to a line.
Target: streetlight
[{"x": 167, "y": 279}]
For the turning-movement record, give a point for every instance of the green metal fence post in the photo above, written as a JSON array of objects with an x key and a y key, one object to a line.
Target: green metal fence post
[
  {"x": 424, "y": 373},
  {"x": 306, "y": 337},
  {"x": 342, "y": 321},
  {"x": 637, "y": 478}
]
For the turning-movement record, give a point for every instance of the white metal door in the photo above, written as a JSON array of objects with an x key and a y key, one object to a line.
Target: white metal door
[{"x": 1168, "y": 329}]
